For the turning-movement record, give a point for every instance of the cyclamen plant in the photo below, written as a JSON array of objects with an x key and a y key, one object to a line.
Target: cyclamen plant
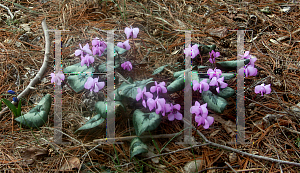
[{"x": 138, "y": 90}]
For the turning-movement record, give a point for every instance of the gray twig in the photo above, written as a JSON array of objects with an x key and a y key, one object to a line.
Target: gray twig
[
  {"x": 42, "y": 70},
  {"x": 9, "y": 12}
]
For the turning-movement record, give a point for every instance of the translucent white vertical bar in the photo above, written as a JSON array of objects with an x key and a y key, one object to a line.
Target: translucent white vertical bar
[
  {"x": 57, "y": 92},
  {"x": 110, "y": 126},
  {"x": 240, "y": 102},
  {"x": 187, "y": 92}
]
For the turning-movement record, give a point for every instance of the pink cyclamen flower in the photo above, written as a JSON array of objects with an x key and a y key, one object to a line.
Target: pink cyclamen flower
[
  {"x": 174, "y": 112},
  {"x": 205, "y": 120},
  {"x": 93, "y": 84},
  {"x": 87, "y": 60},
  {"x": 246, "y": 55},
  {"x": 199, "y": 109},
  {"x": 213, "y": 55},
  {"x": 219, "y": 83},
  {"x": 98, "y": 46},
  {"x": 159, "y": 87},
  {"x": 143, "y": 95},
  {"x": 214, "y": 73},
  {"x": 127, "y": 65},
  {"x": 263, "y": 89},
  {"x": 249, "y": 70},
  {"x": 162, "y": 106},
  {"x": 83, "y": 50},
  {"x": 202, "y": 86},
  {"x": 57, "y": 78},
  {"x": 152, "y": 103},
  {"x": 131, "y": 32},
  {"x": 193, "y": 51},
  {"x": 124, "y": 45}
]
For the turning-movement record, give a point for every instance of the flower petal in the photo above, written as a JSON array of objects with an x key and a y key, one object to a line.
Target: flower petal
[
  {"x": 128, "y": 32},
  {"x": 135, "y": 32}
]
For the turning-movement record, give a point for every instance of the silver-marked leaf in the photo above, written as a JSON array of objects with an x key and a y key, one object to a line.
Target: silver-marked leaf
[
  {"x": 100, "y": 108},
  {"x": 159, "y": 69},
  {"x": 206, "y": 48},
  {"x": 145, "y": 121},
  {"x": 102, "y": 68},
  {"x": 137, "y": 147},
  {"x": 232, "y": 65},
  {"x": 130, "y": 90},
  {"x": 38, "y": 115},
  {"x": 177, "y": 84},
  {"x": 92, "y": 123},
  {"x": 201, "y": 66},
  {"x": 214, "y": 102},
  {"x": 179, "y": 73},
  {"x": 117, "y": 50},
  {"x": 226, "y": 92},
  {"x": 77, "y": 81}
]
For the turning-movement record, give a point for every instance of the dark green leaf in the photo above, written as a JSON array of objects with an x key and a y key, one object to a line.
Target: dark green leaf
[
  {"x": 232, "y": 65},
  {"x": 92, "y": 123},
  {"x": 158, "y": 70},
  {"x": 206, "y": 48},
  {"x": 177, "y": 84},
  {"x": 226, "y": 92},
  {"x": 145, "y": 121},
  {"x": 101, "y": 109},
  {"x": 137, "y": 147},
  {"x": 117, "y": 50},
  {"x": 201, "y": 66},
  {"x": 214, "y": 102},
  {"x": 102, "y": 67},
  {"x": 77, "y": 81},
  {"x": 37, "y": 116},
  {"x": 130, "y": 90},
  {"x": 10, "y": 106},
  {"x": 179, "y": 73}
]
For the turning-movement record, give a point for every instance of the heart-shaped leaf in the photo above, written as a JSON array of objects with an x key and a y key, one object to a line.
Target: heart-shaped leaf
[
  {"x": 232, "y": 65},
  {"x": 226, "y": 92},
  {"x": 130, "y": 90},
  {"x": 77, "y": 81},
  {"x": 214, "y": 102},
  {"x": 145, "y": 121},
  {"x": 92, "y": 123},
  {"x": 177, "y": 84},
  {"x": 137, "y": 147},
  {"x": 100, "y": 108},
  {"x": 37, "y": 116},
  {"x": 159, "y": 69},
  {"x": 179, "y": 73}
]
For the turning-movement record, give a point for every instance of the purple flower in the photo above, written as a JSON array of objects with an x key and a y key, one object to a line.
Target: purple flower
[
  {"x": 152, "y": 103},
  {"x": 141, "y": 95},
  {"x": 11, "y": 92},
  {"x": 246, "y": 55},
  {"x": 205, "y": 120},
  {"x": 199, "y": 109},
  {"x": 218, "y": 83},
  {"x": 249, "y": 70},
  {"x": 131, "y": 32},
  {"x": 213, "y": 55},
  {"x": 193, "y": 51},
  {"x": 83, "y": 50},
  {"x": 57, "y": 78},
  {"x": 87, "y": 60},
  {"x": 263, "y": 89},
  {"x": 214, "y": 73},
  {"x": 127, "y": 65},
  {"x": 124, "y": 45},
  {"x": 98, "y": 46},
  {"x": 202, "y": 86},
  {"x": 174, "y": 112},
  {"x": 162, "y": 107},
  {"x": 93, "y": 84},
  {"x": 159, "y": 88}
]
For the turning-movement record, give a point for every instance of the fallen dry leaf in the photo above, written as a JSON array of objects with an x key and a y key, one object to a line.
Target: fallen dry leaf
[
  {"x": 229, "y": 126},
  {"x": 33, "y": 153},
  {"x": 71, "y": 164}
]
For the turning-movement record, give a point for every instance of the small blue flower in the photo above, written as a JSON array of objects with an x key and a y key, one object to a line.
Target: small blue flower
[
  {"x": 15, "y": 99},
  {"x": 11, "y": 92}
]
